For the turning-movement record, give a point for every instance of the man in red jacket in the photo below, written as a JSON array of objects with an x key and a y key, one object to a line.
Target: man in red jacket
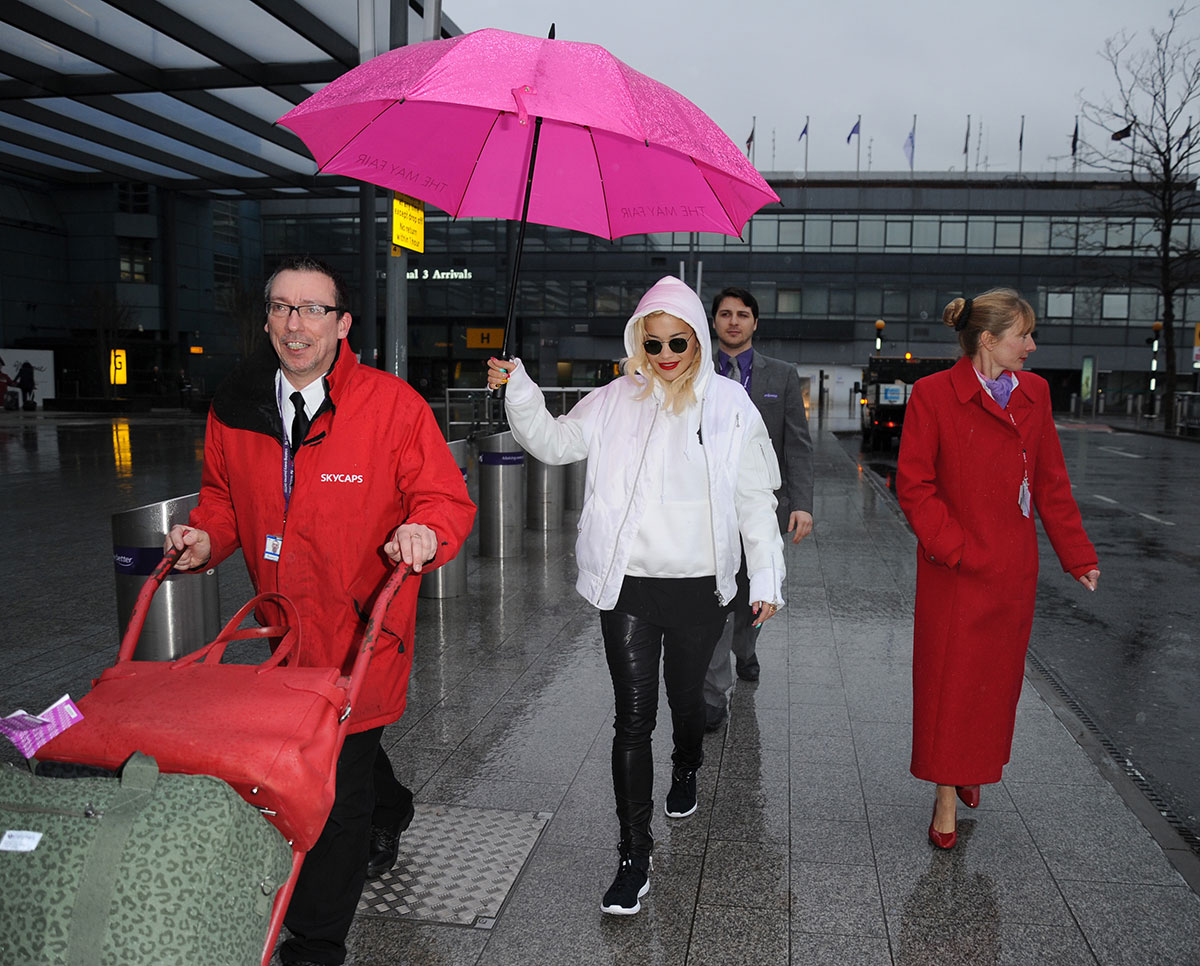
[{"x": 327, "y": 473}]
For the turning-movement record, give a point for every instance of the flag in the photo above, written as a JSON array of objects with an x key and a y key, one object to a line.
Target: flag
[
  {"x": 910, "y": 144},
  {"x": 1075, "y": 138},
  {"x": 853, "y": 130},
  {"x": 1021, "y": 136},
  {"x": 750, "y": 139},
  {"x": 1122, "y": 134},
  {"x": 803, "y": 133},
  {"x": 1183, "y": 137},
  {"x": 967, "y": 139}
]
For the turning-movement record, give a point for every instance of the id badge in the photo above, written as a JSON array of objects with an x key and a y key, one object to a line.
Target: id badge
[
  {"x": 275, "y": 544},
  {"x": 1023, "y": 497}
]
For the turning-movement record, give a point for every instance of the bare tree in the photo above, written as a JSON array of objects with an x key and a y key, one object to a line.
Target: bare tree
[
  {"x": 111, "y": 316},
  {"x": 1152, "y": 144},
  {"x": 245, "y": 306}
]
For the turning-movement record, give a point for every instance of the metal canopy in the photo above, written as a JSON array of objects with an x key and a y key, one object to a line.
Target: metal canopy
[{"x": 177, "y": 93}]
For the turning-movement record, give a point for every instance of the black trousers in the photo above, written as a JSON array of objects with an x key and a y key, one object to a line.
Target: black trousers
[
  {"x": 633, "y": 647},
  {"x": 392, "y": 799},
  {"x": 331, "y": 879}
]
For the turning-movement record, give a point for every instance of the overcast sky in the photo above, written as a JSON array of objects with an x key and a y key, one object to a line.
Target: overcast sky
[{"x": 781, "y": 60}]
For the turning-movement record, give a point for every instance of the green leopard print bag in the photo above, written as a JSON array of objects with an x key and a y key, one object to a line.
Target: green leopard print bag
[{"x": 144, "y": 869}]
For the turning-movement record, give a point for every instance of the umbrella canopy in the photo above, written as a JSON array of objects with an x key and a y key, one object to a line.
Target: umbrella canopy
[{"x": 450, "y": 122}]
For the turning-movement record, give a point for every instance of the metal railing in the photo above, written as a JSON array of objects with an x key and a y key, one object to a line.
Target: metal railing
[{"x": 466, "y": 413}]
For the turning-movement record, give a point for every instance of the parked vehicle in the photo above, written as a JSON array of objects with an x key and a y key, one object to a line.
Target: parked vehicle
[{"x": 886, "y": 385}]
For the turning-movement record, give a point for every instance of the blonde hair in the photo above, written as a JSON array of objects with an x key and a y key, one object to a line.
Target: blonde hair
[
  {"x": 996, "y": 311},
  {"x": 679, "y": 392}
]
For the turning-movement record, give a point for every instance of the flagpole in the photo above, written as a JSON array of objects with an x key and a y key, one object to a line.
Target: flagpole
[
  {"x": 1074, "y": 146},
  {"x": 912, "y": 165},
  {"x": 772, "y": 149},
  {"x": 967, "y": 149},
  {"x": 1021, "y": 144},
  {"x": 753, "y": 146},
  {"x": 858, "y": 147},
  {"x": 806, "y": 140}
]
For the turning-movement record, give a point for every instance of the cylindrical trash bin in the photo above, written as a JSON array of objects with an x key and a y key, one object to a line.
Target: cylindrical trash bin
[
  {"x": 501, "y": 496},
  {"x": 450, "y": 579},
  {"x": 545, "y": 484},
  {"x": 576, "y": 479},
  {"x": 186, "y": 610}
]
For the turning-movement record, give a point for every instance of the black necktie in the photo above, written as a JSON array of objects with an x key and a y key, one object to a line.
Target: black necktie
[{"x": 300, "y": 422}]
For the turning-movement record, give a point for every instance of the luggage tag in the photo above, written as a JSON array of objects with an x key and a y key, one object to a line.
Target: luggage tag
[
  {"x": 1023, "y": 497},
  {"x": 275, "y": 544}
]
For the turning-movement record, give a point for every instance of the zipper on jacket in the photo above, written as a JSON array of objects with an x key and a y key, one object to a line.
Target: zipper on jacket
[
  {"x": 711, "y": 508},
  {"x": 628, "y": 506}
]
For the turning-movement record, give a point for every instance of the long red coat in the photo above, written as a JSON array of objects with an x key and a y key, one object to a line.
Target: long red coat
[{"x": 958, "y": 483}]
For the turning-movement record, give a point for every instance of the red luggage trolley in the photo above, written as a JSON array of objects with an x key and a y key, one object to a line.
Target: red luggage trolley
[{"x": 273, "y": 730}]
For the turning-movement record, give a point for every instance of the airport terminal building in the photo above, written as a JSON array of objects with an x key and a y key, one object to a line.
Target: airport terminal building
[{"x": 176, "y": 279}]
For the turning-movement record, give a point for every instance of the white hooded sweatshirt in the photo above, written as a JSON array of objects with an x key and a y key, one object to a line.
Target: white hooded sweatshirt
[{"x": 624, "y": 441}]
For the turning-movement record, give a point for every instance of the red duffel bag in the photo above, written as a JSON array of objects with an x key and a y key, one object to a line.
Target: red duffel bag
[{"x": 273, "y": 730}]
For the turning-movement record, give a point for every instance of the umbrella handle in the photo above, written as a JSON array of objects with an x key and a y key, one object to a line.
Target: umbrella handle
[{"x": 498, "y": 392}]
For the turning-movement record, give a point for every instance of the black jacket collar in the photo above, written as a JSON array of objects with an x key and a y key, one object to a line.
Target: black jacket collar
[{"x": 247, "y": 400}]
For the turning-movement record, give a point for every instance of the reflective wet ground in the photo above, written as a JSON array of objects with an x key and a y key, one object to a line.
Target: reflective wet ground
[{"x": 809, "y": 843}]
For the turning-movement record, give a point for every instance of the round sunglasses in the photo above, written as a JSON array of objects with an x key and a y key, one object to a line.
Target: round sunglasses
[{"x": 678, "y": 345}]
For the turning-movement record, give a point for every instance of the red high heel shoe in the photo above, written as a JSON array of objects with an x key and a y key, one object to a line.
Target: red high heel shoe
[
  {"x": 969, "y": 795},
  {"x": 943, "y": 840}
]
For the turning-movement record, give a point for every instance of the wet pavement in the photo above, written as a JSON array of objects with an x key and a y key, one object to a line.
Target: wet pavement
[{"x": 809, "y": 843}]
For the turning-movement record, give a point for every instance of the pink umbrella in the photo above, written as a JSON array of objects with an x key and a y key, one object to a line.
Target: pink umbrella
[{"x": 611, "y": 151}]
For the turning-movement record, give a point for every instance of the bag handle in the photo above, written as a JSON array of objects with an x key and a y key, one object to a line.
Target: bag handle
[
  {"x": 374, "y": 625},
  {"x": 141, "y": 606},
  {"x": 288, "y": 632},
  {"x": 101, "y": 865}
]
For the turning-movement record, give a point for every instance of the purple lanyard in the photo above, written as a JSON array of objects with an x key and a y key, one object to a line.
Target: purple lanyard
[{"x": 289, "y": 464}]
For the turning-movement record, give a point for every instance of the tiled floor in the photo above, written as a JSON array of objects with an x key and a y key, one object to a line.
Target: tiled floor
[{"x": 809, "y": 844}]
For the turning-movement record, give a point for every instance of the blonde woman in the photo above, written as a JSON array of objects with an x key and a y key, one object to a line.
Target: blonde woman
[
  {"x": 978, "y": 456},
  {"x": 680, "y": 475}
]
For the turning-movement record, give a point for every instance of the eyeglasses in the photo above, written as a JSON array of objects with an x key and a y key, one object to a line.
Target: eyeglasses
[
  {"x": 281, "y": 310},
  {"x": 678, "y": 345}
]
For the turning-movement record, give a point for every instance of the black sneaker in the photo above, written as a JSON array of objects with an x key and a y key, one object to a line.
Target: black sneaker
[
  {"x": 681, "y": 799},
  {"x": 632, "y": 882}
]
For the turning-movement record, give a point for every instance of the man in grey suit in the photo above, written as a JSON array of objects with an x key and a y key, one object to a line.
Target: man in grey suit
[{"x": 775, "y": 388}]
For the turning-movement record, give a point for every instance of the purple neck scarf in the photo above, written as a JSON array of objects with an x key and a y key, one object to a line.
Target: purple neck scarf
[{"x": 1000, "y": 388}]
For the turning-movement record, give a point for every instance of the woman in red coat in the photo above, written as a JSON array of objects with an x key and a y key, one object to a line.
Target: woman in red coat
[{"x": 979, "y": 453}]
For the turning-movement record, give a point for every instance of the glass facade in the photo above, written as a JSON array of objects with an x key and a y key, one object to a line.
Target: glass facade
[{"x": 826, "y": 264}]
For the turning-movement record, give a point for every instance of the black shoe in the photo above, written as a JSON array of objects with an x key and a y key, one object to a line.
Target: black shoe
[
  {"x": 714, "y": 717},
  {"x": 632, "y": 882},
  {"x": 385, "y": 845},
  {"x": 748, "y": 670},
  {"x": 681, "y": 799}
]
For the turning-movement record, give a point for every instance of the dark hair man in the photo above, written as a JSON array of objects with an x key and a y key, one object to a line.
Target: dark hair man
[
  {"x": 326, "y": 473},
  {"x": 775, "y": 389}
]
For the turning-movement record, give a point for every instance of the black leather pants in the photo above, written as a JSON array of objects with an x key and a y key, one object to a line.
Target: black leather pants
[{"x": 633, "y": 647}]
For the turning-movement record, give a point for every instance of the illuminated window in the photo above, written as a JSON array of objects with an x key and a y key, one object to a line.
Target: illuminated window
[{"x": 134, "y": 255}]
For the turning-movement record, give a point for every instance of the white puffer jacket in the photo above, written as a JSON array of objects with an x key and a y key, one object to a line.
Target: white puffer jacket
[{"x": 614, "y": 430}]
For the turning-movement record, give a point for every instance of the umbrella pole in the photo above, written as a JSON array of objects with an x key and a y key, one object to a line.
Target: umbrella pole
[
  {"x": 498, "y": 392},
  {"x": 516, "y": 267}
]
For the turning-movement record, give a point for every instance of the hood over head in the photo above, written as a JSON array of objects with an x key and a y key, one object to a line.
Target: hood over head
[{"x": 671, "y": 295}]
